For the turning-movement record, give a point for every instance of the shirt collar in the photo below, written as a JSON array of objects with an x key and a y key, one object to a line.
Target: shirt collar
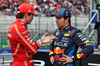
[
  {"x": 66, "y": 28},
  {"x": 21, "y": 22}
]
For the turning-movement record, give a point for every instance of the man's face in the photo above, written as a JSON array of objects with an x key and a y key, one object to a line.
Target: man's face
[
  {"x": 61, "y": 22},
  {"x": 29, "y": 19}
]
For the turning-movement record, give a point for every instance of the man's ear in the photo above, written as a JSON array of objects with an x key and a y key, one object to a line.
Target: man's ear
[
  {"x": 25, "y": 16},
  {"x": 67, "y": 19}
]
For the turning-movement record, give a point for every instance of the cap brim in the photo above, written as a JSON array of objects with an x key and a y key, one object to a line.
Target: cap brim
[
  {"x": 55, "y": 15},
  {"x": 37, "y": 13}
]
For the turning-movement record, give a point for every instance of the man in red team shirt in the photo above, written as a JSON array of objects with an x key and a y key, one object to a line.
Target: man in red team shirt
[{"x": 22, "y": 45}]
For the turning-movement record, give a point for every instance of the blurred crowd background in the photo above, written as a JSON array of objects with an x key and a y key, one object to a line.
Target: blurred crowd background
[{"x": 47, "y": 7}]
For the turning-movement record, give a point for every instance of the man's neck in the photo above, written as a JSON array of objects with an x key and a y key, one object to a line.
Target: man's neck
[
  {"x": 65, "y": 26},
  {"x": 23, "y": 20}
]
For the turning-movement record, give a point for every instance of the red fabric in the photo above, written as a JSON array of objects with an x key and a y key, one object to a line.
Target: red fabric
[
  {"x": 58, "y": 6},
  {"x": 22, "y": 46},
  {"x": 4, "y": 2}
]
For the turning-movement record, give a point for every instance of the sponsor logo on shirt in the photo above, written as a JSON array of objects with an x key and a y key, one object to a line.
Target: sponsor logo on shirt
[
  {"x": 60, "y": 44},
  {"x": 66, "y": 34},
  {"x": 58, "y": 50}
]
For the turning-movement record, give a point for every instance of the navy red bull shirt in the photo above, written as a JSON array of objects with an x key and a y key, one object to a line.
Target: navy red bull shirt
[{"x": 67, "y": 42}]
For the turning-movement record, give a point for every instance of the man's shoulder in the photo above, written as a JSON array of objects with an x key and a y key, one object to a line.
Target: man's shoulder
[
  {"x": 75, "y": 29},
  {"x": 17, "y": 27}
]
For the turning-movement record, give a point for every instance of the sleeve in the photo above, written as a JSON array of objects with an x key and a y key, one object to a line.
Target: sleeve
[
  {"x": 84, "y": 43},
  {"x": 26, "y": 41},
  {"x": 51, "y": 51}
]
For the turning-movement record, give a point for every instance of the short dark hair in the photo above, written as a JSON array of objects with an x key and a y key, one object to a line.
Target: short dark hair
[
  {"x": 21, "y": 15},
  {"x": 69, "y": 19}
]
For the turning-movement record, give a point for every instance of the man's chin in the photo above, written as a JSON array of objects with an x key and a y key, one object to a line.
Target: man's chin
[
  {"x": 28, "y": 23},
  {"x": 58, "y": 26}
]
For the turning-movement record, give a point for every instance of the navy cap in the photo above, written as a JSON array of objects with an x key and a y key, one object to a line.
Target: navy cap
[{"x": 63, "y": 12}]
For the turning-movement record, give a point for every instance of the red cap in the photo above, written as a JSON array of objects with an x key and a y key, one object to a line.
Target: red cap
[{"x": 26, "y": 8}]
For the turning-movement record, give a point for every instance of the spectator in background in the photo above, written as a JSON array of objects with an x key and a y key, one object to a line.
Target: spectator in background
[
  {"x": 22, "y": 45},
  {"x": 0, "y": 6},
  {"x": 44, "y": 6}
]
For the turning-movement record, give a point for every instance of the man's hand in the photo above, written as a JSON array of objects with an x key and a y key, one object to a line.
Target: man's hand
[
  {"x": 66, "y": 59},
  {"x": 52, "y": 59},
  {"x": 47, "y": 39}
]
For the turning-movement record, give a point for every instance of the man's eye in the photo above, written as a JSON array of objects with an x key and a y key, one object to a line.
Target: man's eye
[{"x": 58, "y": 17}]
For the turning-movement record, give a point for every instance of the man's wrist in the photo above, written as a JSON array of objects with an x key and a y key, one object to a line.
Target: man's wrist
[
  {"x": 39, "y": 42},
  {"x": 73, "y": 58}
]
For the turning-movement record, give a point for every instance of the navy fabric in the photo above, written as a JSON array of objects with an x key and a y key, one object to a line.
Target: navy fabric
[
  {"x": 70, "y": 54},
  {"x": 68, "y": 41},
  {"x": 63, "y": 12}
]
